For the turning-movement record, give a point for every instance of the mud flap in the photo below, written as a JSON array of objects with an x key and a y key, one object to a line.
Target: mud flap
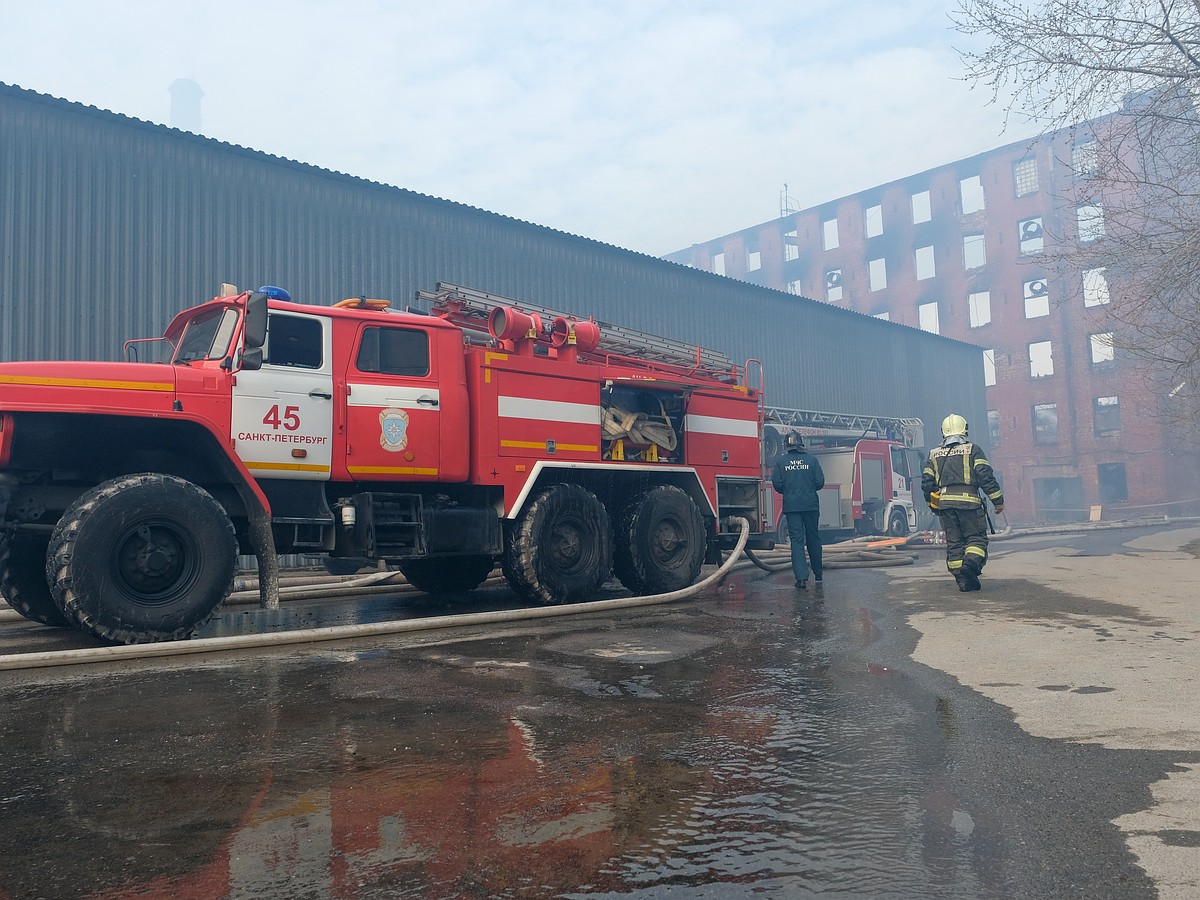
[{"x": 263, "y": 541}]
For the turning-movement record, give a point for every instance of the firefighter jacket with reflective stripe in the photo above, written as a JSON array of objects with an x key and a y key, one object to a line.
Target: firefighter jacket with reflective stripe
[
  {"x": 798, "y": 477},
  {"x": 960, "y": 471}
]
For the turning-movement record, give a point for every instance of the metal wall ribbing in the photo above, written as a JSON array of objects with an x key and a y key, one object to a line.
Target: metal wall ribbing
[{"x": 110, "y": 225}]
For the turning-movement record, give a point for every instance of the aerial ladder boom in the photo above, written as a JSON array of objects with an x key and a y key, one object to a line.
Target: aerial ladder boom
[
  {"x": 471, "y": 309},
  {"x": 811, "y": 423}
]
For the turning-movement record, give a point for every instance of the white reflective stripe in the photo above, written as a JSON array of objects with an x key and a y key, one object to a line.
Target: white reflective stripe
[
  {"x": 541, "y": 465},
  {"x": 399, "y": 395},
  {"x": 714, "y": 425},
  {"x": 548, "y": 410}
]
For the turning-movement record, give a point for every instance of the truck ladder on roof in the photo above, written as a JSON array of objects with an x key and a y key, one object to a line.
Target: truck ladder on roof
[
  {"x": 848, "y": 424},
  {"x": 470, "y": 308}
]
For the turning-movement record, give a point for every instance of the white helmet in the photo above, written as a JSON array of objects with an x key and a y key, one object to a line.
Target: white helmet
[{"x": 954, "y": 424}]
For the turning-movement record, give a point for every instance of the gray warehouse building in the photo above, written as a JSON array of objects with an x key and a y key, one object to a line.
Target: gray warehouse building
[{"x": 110, "y": 225}]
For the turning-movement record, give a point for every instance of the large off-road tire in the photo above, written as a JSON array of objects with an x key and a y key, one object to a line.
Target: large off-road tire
[
  {"x": 660, "y": 542},
  {"x": 142, "y": 558},
  {"x": 447, "y": 574},
  {"x": 560, "y": 548},
  {"x": 23, "y": 578}
]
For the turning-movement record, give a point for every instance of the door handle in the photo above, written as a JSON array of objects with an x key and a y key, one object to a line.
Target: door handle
[
  {"x": 324, "y": 396},
  {"x": 427, "y": 401}
]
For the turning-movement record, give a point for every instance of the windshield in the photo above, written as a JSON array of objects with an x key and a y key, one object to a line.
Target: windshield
[{"x": 207, "y": 336}]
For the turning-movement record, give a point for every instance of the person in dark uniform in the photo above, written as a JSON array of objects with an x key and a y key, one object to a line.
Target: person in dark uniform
[
  {"x": 798, "y": 477},
  {"x": 954, "y": 475}
]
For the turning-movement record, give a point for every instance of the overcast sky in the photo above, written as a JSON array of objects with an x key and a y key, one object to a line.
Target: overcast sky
[{"x": 649, "y": 124}]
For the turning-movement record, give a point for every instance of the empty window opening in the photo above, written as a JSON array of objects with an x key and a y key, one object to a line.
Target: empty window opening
[
  {"x": 974, "y": 254},
  {"x": 1029, "y": 235},
  {"x": 1090, "y": 218},
  {"x": 971, "y": 192},
  {"x": 718, "y": 263},
  {"x": 1084, "y": 159},
  {"x": 1102, "y": 347},
  {"x": 921, "y": 210},
  {"x": 989, "y": 367},
  {"x": 873, "y": 216},
  {"x": 1045, "y": 423},
  {"x": 833, "y": 285},
  {"x": 878, "y": 272},
  {"x": 924, "y": 263},
  {"x": 791, "y": 246},
  {"x": 1041, "y": 359},
  {"x": 1037, "y": 298},
  {"x": 1106, "y": 416},
  {"x": 980, "y": 307},
  {"x": 927, "y": 317},
  {"x": 1111, "y": 480},
  {"x": 994, "y": 426},
  {"x": 1095, "y": 287},
  {"x": 829, "y": 234}
]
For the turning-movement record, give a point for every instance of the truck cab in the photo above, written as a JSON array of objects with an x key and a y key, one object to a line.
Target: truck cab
[{"x": 882, "y": 482}]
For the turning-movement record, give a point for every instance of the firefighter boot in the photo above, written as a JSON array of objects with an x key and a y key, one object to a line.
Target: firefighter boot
[
  {"x": 961, "y": 579},
  {"x": 970, "y": 577}
]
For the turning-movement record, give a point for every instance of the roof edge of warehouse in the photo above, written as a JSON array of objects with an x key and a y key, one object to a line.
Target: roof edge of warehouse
[{"x": 176, "y": 134}]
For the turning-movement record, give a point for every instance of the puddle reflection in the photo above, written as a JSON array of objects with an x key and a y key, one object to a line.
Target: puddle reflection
[{"x": 611, "y": 759}]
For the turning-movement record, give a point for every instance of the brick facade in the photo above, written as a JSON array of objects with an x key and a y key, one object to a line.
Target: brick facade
[{"x": 967, "y": 250}]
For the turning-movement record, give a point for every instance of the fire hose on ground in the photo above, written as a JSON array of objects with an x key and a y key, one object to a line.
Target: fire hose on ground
[
  {"x": 375, "y": 629},
  {"x": 857, "y": 553},
  {"x": 863, "y": 552}
]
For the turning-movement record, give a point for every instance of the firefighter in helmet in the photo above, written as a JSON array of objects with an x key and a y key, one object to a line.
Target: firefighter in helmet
[
  {"x": 798, "y": 477},
  {"x": 954, "y": 475}
]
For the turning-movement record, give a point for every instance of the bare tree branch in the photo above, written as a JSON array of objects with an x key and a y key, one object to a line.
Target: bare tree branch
[{"x": 1125, "y": 76}]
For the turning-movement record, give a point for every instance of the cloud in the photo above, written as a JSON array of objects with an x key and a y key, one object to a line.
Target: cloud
[{"x": 646, "y": 125}]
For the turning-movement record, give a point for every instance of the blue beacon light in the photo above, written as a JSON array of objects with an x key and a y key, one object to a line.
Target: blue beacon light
[{"x": 274, "y": 293}]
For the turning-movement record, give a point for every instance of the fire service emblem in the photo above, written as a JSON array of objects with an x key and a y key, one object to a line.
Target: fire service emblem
[{"x": 393, "y": 429}]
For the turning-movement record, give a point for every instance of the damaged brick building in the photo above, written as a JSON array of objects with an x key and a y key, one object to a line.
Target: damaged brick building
[{"x": 966, "y": 250}]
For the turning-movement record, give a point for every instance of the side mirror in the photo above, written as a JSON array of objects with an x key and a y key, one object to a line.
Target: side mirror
[
  {"x": 256, "y": 321},
  {"x": 252, "y": 359}
]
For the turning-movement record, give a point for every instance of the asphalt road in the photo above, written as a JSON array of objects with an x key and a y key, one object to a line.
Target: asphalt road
[{"x": 899, "y": 739}]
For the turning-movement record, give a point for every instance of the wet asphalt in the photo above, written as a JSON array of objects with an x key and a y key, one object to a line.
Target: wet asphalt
[{"x": 753, "y": 741}]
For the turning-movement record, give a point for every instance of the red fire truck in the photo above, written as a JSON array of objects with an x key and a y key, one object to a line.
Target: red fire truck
[
  {"x": 872, "y": 467},
  {"x": 481, "y": 430}
]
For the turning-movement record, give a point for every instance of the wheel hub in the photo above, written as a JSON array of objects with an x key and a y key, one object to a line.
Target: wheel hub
[
  {"x": 566, "y": 545},
  {"x": 150, "y": 560},
  {"x": 666, "y": 538}
]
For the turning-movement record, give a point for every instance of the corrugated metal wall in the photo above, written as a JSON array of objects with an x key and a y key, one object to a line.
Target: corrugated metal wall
[{"x": 110, "y": 225}]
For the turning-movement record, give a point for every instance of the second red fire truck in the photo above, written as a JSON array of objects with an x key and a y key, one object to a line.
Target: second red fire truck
[{"x": 872, "y": 467}]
